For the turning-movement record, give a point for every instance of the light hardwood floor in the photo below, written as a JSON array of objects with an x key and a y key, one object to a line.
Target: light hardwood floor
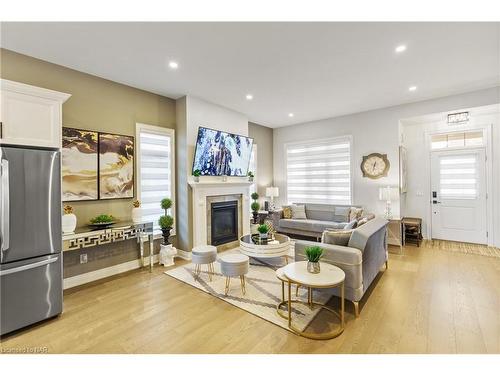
[{"x": 428, "y": 301}]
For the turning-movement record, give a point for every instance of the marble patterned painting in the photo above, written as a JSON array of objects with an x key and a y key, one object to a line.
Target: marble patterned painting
[
  {"x": 79, "y": 165},
  {"x": 116, "y": 166}
]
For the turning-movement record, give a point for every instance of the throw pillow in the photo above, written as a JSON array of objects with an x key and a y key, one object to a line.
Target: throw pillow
[
  {"x": 351, "y": 225},
  {"x": 355, "y": 213},
  {"x": 287, "y": 212},
  {"x": 338, "y": 237},
  {"x": 365, "y": 219},
  {"x": 299, "y": 212}
]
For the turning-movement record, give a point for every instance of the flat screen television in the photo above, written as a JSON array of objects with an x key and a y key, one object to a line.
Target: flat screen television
[{"x": 219, "y": 153}]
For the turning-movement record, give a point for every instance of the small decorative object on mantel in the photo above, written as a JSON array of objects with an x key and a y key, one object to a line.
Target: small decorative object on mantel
[
  {"x": 166, "y": 221},
  {"x": 263, "y": 230},
  {"x": 102, "y": 221},
  {"x": 255, "y": 206},
  {"x": 196, "y": 175},
  {"x": 250, "y": 176},
  {"x": 313, "y": 254},
  {"x": 224, "y": 178},
  {"x": 375, "y": 166},
  {"x": 136, "y": 212},
  {"x": 68, "y": 220}
]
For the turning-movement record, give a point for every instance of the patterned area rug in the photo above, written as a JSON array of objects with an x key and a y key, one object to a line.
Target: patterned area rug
[
  {"x": 263, "y": 290},
  {"x": 465, "y": 248}
]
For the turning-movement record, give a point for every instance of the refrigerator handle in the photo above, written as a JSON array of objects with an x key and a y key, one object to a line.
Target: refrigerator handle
[
  {"x": 5, "y": 230},
  {"x": 27, "y": 267}
]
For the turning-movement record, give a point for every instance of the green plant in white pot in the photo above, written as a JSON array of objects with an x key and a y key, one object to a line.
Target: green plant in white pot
[
  {"x": 263, "y": 230},
  {"x": 313, "y": 255},
  {"x": 166, "y": 221}
]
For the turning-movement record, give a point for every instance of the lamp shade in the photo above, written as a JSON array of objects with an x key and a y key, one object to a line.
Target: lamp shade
[
  {"x": 272, "y": 192},
  {"x": 388, "y": 193}
]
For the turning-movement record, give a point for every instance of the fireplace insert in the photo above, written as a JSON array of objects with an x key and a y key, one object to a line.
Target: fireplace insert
[{"x": 224, "y": 217}]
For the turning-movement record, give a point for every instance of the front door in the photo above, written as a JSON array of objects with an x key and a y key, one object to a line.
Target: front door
[{"x": 458, "y": 201}]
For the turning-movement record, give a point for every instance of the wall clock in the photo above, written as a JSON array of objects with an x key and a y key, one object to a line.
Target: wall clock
[{"x": 375, "y": 165}]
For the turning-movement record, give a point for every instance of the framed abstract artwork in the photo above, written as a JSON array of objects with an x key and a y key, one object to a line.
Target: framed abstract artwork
[
  {"x": 79, "y": 165},
  {"x": 116, "y": 166}
]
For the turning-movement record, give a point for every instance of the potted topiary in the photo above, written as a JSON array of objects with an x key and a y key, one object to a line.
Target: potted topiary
[
  {"x": 313, "y": 254},
  {"x": 250, "y": 176},
  {"x": 255, "y": 206},
  {"x": 68, "y": 220},
  {"x": 166, "y": 221},
  {"x": 136, "y": 212},
  {"x": 263, "y": 230},
  {"x": 196, "y": 175}
]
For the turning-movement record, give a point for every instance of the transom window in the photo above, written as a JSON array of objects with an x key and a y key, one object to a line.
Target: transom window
[
  {"x": 155, "y": 170},
  {"x": 457, "y": 139},
  {"x": 319, "y": 171}
]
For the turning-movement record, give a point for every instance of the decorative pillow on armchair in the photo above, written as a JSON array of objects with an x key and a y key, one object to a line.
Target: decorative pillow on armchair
[
  {"x": 355, "y": 213},
  {"x": 338, "y": 237},
  {"x": 287, "y": 212},
  {"x": 299, "y": 212}
]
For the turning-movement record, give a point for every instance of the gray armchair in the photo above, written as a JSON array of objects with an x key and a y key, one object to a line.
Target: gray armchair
[{"x": 361, "y": 260}]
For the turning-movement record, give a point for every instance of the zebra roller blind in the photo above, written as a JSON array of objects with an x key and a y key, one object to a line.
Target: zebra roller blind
[
  {"x": 319, "y": 171},
  {"x": 459, "y": 176},
  {"x": 155, "y": 171}
]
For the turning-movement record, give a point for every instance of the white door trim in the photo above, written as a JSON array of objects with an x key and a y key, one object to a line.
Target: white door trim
[{"x": 487, "y": 134}]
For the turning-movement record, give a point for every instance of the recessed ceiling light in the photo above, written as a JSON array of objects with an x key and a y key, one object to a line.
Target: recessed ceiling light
[
  {"x": 412, "y": 88},
  {"x": 400, "y": 48},
  {"x": 173, "y": 65},
  {"x": 249, "y": 96},
  {"x": 290, "y": 114}
]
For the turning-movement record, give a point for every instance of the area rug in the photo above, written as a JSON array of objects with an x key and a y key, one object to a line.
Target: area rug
[
  {"x": 263, "y": 290},
  {"x": 464, "y": 248}
]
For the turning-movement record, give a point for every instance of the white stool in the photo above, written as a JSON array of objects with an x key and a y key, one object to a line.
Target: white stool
[
  {"x": 204, "y": 254},
  {"x": 233, "y": 265}
]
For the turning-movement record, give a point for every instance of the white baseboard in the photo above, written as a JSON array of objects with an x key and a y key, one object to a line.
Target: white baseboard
[
  {"x": 88, "y": 277},
  {"x": 186, "y": 255}
]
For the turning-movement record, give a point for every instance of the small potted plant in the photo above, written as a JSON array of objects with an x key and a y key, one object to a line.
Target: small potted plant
[
  {"x": 255, "y": 206},
  {"x": 196, "y": 175},
  {"x": 313, "y": 254},
  {"x": 136, "y": 211},
  {"x": 68, "y": 219},
  {"x": 263, "y": 230},
  {"x": 250, "y": 176},
  {"x": 166, "y": 221}
]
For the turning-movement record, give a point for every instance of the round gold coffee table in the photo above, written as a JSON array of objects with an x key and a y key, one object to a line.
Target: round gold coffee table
[{"x": 329, "y": 277}]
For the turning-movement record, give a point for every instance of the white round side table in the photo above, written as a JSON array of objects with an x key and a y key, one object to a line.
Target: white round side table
[{"x": 329, "y": 277}]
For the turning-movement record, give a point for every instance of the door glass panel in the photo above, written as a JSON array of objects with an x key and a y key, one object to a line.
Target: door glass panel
[{"x": 458, "y": 176}]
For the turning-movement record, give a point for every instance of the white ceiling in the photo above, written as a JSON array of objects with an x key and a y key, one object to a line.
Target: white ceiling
[{"x": 315, "y": 70}]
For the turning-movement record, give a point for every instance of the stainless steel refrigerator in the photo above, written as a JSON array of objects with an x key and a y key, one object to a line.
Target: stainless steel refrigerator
[{"x": 31, "y": 240}]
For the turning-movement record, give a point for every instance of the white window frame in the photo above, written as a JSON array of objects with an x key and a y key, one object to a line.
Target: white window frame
[
  {"x": 348, "y": 138},
  {"x": 161, "y": 131}
]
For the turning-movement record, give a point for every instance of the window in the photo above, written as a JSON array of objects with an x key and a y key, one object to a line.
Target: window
[
  {"x": 252, "y": 167},
  {"x": 319, "y": 171},
  {"x": 155, "y": 170},
  {"x": 458, "y": 176},
  {"x": 460, "y": 139}
]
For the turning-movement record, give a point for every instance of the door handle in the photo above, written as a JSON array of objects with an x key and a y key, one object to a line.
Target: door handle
[
  {"x": 5, "y": 228},
  {"x": 28, "y": 266}
]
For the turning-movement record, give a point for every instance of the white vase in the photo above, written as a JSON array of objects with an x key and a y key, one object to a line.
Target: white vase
[
  {"x": 136, "y": 214},
  {"x": 68, "y": 223}
]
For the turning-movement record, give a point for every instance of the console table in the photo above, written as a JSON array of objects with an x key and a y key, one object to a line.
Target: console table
[{"x": 85, "y": 237}]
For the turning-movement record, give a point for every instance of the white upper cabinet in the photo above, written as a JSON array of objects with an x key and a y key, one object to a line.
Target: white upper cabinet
[{"x": 30, "y": 115}]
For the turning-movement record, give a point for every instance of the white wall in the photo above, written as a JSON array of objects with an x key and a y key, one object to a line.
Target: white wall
[
  {"x": 372, "y": 131},
  {"x": 192, "y": 113},
  {"x": 416, "y": 203}
]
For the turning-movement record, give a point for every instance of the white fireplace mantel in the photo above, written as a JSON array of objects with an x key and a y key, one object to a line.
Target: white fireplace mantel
[{"x": 203, "y": 189}]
